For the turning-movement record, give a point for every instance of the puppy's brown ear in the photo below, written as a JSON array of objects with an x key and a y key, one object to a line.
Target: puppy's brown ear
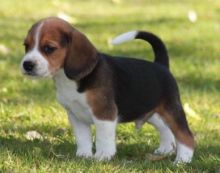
[{"x": 81, "y": 57}]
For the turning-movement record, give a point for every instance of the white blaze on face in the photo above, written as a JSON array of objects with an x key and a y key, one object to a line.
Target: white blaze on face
[{"x": 41, "y": 68}]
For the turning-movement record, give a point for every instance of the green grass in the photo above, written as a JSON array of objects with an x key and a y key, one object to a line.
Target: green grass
[{"x": 31, "y": 105}]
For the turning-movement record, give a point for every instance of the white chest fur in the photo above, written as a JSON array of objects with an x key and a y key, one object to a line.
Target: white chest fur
[{"x": 71, "y": 99}]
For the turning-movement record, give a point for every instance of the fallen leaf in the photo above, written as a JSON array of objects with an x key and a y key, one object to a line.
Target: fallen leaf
[
  {"x": 156, "y": 157},
  {"x": 31, "y": 135}
]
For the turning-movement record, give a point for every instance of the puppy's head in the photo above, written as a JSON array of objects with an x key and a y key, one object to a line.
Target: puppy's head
[{"x": 52, "y": 44}]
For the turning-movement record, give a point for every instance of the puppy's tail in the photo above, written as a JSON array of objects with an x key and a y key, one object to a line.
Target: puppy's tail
[{"x": 157, "y": 44}]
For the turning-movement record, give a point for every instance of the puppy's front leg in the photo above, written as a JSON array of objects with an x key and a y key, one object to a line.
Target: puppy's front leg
[
  {"x": 83, "y": 136},
  {"x": 105, "y": 139}
]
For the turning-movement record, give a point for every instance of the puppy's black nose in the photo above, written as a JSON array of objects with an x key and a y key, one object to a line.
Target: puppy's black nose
[{"x": 28, "y": 66}]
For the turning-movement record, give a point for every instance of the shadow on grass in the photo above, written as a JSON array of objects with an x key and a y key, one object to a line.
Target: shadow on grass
[
  {"x": 129, "y": 155},
  {"x": 64, "y": 151},
  {"x": 38, "y": 148}
]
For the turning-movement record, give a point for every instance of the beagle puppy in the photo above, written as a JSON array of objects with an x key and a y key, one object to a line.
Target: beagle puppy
[{"x": 99, "y": 89}]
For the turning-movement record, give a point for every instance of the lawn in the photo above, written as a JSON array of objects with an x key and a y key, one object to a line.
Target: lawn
[{"x": 30, "y": 105}]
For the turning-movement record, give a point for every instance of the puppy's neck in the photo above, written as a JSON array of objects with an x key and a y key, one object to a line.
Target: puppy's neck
[{"x": 61, "y": 80}]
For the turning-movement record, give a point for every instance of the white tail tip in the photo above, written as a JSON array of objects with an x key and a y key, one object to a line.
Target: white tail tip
[{"x": 124, "y": 37}]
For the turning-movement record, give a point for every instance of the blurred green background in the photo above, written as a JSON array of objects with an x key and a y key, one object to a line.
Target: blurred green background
[{"x": 190, "y": 30}]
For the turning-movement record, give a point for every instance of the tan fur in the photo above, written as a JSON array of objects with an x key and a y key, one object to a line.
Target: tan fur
[
  {"x": 180, "y": 134},
  {"x": 100, "y": 95}
]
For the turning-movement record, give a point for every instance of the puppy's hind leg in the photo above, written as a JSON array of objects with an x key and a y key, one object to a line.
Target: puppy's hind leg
[
  {"x": 167, "y": 140},
  {"x": 174, "y": 117}
]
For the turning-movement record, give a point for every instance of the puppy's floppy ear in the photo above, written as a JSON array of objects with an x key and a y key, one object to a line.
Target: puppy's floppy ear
[{"x": 81, "y": 57}]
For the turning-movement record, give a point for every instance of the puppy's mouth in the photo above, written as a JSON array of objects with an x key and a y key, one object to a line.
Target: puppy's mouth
[
  {"x": 35, "y": 75},
  {"x": 31, "y": 75}
]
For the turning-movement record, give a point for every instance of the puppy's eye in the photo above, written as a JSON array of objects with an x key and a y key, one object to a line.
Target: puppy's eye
[{"x": 48, "y": 49}]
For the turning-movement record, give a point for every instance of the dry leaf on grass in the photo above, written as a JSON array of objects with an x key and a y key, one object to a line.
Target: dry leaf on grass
[
  {"x": 156, "y": 157},
  {"x": 31, "y": 135}
]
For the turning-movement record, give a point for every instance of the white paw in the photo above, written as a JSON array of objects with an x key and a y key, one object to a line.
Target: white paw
[
  {"x": 105, "y": 139},
  {"x": 104, "y": 155},
  {"x": 165, "y": 150},
  {"x": 184, "y": 154},
  {"x": 182, "y": 160},
  {"x": 84, "y": 153}
]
